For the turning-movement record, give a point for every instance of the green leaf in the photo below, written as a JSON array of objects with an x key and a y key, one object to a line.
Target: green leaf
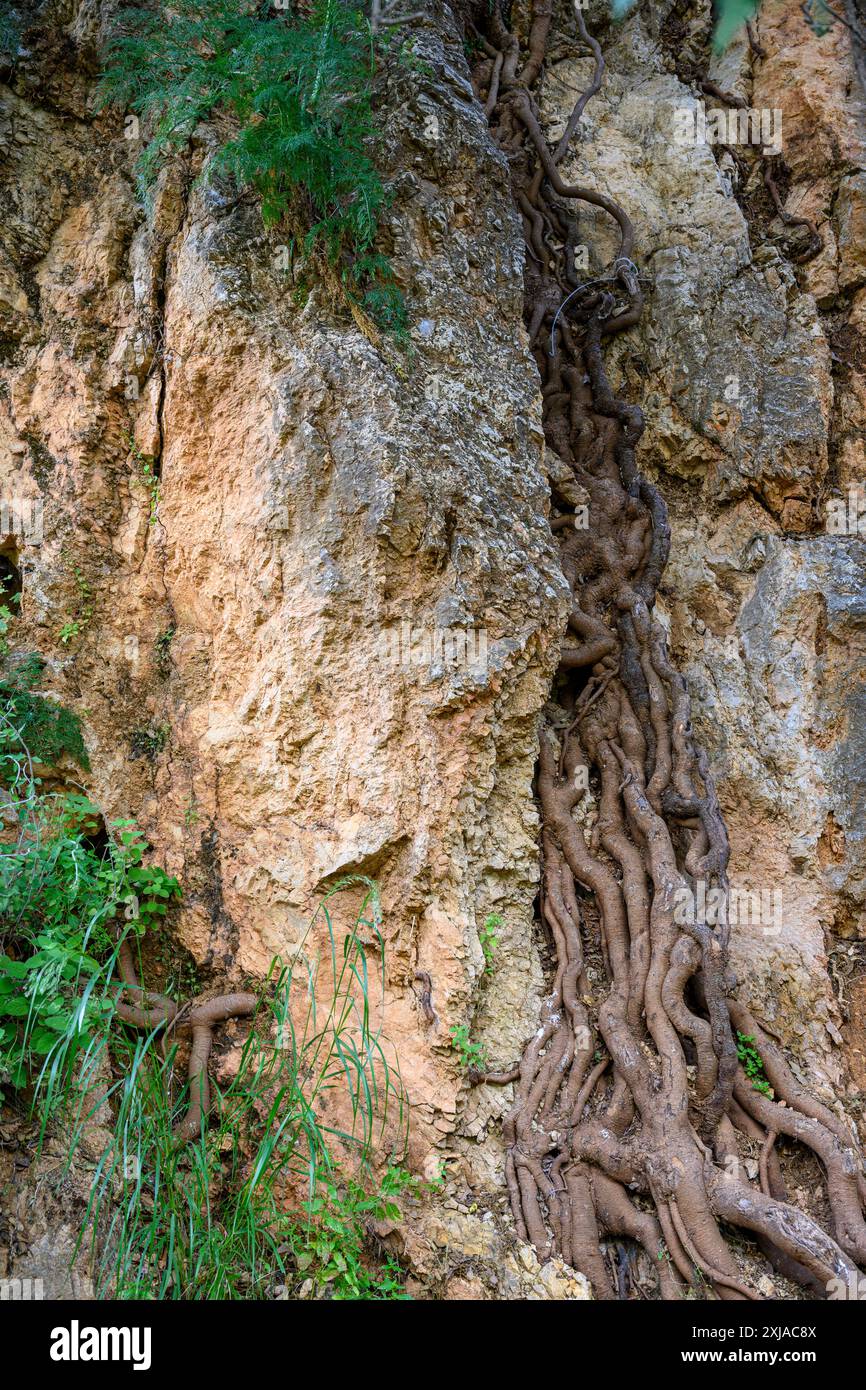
[
  {"x": 59, "y": 1022},
  {"x": 17, "y": 969},
  {"x": 15, "y": 1008}
]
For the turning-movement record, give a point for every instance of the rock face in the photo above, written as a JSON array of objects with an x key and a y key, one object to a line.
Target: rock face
[
  {"x": 323, "y": 651},
  {"x": 322, "y": 648},
  {"x": 747, "y": 366}
]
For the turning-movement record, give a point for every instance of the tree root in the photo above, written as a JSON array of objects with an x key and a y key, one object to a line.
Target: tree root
[
  {"x": 629, "y": 1097},
  {"x": 197, "y": 1019}
]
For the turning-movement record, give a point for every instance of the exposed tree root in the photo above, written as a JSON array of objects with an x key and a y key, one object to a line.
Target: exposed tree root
[
  {"x": 629, "y": 1097},
  {"x": 196, "y": 1019}
]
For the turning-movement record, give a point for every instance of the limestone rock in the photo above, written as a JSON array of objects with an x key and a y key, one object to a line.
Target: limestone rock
[{"x": 331, "y": 511}]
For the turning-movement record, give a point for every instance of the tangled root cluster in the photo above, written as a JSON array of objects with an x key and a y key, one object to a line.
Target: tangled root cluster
[{"x": 630, "y": 1096}]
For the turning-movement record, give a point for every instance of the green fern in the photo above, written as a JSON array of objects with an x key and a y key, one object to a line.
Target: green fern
[{"x": 298, "y": 91}]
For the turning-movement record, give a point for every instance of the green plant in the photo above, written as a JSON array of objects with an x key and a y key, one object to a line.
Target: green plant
[
  {"x": 472, "y": 1056},
  {"x": 73, "y": 627},
  {"x": 6, "y": 616},
  {"x": 59, "y": 901},
  {"x": 162, "y": 648},
  {"x": 215, "y": 1219},
  {"x": 151, "y": 482},
  {"x": 80, "y": 618},
  {"x": 296, "y": 89},
  {"x": 180, "y": 976},
  {"x": 330, "y": 1248},
  {"x": 753, "y": 1064},
  {"x": 62, "y": 900},
  {"x": 148, "y": 742},
  {"x": 489, "y": 940},
  {"x": 259, "y": 1197},
  {"x": 44, "y": 727},
  {"x": 146, "y": 464}
]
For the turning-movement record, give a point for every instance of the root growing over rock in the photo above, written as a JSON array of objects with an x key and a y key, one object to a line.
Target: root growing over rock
[
  {"x": 196, "y": 1019},
  {"x": 629, "y": 1097}
]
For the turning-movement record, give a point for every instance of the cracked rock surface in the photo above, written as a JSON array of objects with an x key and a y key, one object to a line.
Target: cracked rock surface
[{"x": 326, "y": 505}]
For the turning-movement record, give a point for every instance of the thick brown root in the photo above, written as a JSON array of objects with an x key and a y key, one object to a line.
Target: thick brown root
[
  {"x": 630, "y": 1093},
  {"x": 197, "y": 1018}
]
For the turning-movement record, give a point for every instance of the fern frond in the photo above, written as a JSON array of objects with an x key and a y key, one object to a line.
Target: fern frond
[{"x": 299, "y": 90}]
